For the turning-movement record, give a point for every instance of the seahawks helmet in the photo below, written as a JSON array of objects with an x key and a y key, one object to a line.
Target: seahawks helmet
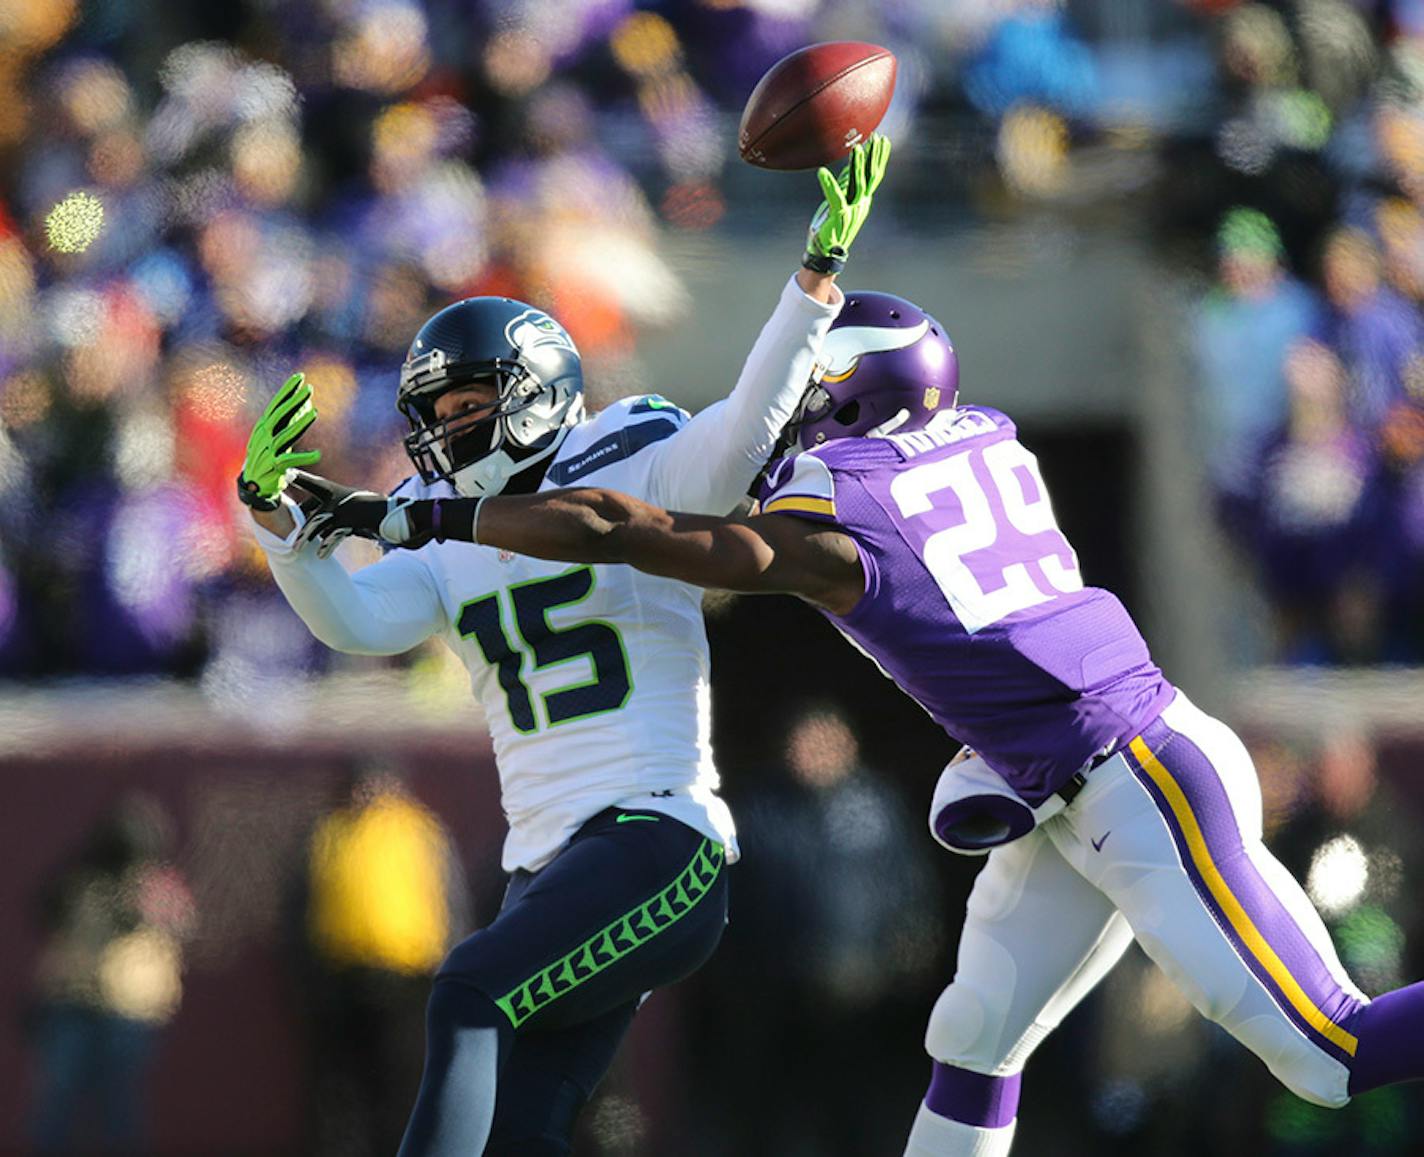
[
  {"x": 533, "y": 363},
  {"x": 886, "y": 366}
]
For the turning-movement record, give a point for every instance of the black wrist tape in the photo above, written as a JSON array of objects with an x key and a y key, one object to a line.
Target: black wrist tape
[
  {"x": 833, "y": 262},
  {"x": 248, "y": 496},
  {"x": 450, "y": 519}
]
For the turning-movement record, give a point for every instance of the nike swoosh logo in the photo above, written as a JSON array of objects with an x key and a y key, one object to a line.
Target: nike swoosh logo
[
  {"x": 1098, "y": 844},
  {"x": 629, "y": 817}
]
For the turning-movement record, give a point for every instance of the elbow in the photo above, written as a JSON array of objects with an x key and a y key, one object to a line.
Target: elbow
[
  {"x": 365, "y": 638},
  {"x": 347, "y": 642}
]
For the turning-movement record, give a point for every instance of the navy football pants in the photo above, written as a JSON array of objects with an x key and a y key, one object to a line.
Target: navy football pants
[{"x": 537, "y": 1003}]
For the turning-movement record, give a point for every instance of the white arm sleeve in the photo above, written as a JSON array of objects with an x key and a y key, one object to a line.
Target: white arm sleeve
[
  {"x": 383, "y": 609},
  {"x": 706, "y": 467}
]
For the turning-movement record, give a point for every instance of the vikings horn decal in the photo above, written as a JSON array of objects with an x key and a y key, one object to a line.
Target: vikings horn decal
[
  {"x": 534, "y": 328},
  {"x": 844, "y": 347}
]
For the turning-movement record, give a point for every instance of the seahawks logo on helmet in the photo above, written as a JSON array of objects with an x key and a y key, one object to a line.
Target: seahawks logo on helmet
[{"x": 534, "y": 328}]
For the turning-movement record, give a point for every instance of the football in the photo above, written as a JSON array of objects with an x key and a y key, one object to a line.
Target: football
[{"x": 812, "y": 106}]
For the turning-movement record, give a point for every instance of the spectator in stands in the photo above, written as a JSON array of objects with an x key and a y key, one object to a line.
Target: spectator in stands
[
  {"x": 1243, "y": 329},
  {"x": 836, "y": 927},
  {"x": 109, "y": 979},
  {"x": 1318, "y": 511},
  {"x": 1377, "y": 332},
  {"x": 1032, "y": 56},
  {"x": 385, "y": 899},
  {"x": 1353, "y": 844}
]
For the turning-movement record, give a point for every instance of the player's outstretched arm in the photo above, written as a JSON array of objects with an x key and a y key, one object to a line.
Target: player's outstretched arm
[
  {"x": 765, "y": 554},
  {"x": 383, "y": 610},
  {"x": 709, "y": 463},
  {"x": 771, "y": 553}
]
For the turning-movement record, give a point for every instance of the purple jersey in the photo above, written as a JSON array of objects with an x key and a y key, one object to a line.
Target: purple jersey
[{"x": 973, "y": 602}]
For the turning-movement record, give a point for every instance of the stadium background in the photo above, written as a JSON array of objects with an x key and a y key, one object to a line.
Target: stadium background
[{"x": 1181, "y": 243}]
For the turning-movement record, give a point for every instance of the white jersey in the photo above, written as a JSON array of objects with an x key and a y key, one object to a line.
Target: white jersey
[{"x": 594, "y": 679}]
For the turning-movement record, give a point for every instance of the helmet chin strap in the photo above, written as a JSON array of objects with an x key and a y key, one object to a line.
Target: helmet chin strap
[{"x": 889, "y": 426}]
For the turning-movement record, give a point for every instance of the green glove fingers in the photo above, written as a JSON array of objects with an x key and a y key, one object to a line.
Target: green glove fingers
[
  {"x": 299, "y": 461},
  {"x": 855, "y": 173},
  {"x": 878, "y": 160},
  {"x": 269, "y": 450},
  {"x": 292, "y": 397},
  {"x": 294, "y": 428},
  {"x": 846, "y": 205}
]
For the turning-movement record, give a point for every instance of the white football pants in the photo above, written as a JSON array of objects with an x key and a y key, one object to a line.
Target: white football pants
[{"x": 1163, "y": 844}]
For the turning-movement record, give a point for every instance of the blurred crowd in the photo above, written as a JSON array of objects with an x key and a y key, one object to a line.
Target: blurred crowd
[
  {"x": 197, "y": 200},
  {"x": 1310, "y": 345},
  {"x": 115, "y": 919}
]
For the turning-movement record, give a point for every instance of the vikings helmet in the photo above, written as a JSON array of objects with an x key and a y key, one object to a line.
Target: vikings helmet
[
  {"x": 535, "y": 366},
  {"x": 883, "y": 356}
]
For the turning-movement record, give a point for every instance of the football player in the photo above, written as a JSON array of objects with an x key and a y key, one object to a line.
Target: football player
[
  {"x": 593, "y": 679},
  {"x": 1110, "y": 806}
]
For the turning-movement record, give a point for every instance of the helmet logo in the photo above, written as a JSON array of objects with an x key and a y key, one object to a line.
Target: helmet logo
[
  {"x": 844, "y": 347},
  {"x": 931, "y": 397},
  {"x": 534, "y": 328}
]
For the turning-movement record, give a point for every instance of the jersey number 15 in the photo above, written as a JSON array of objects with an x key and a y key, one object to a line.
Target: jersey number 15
[{"x": 548, "y": 646}]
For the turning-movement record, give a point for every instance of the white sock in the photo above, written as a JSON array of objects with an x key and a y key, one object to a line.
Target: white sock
[{"x": 936, "y": 1136}]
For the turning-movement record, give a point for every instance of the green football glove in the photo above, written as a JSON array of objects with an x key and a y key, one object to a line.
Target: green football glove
[
  {"x": 846, "y": 205},
  {"x": 269, "y": 450}
]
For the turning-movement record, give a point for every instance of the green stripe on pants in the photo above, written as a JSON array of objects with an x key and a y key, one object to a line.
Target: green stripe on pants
[{"x": 626, "y": 934}]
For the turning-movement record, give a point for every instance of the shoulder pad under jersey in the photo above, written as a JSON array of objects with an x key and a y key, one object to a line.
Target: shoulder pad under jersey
[
  {"x": 803, "y": 485},
  {"x": 614, "y": 434}
]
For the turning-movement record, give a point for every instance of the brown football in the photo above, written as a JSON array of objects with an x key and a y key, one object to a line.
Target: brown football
[{"x": 812, "y": 106}]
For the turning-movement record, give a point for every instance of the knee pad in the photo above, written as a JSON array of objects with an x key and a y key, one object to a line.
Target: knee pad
[
  {"x": 1307, "y": 1071},
  {"x": 453, "y": 1005},
  {"x": 957, "y": 1027},
  {"x": 1215, "y": 992}
]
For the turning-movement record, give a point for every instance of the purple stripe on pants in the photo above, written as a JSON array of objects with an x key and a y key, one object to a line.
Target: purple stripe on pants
[
  {"x": 1211, "y": 805},
  {"x": 973, "y": 1098}
]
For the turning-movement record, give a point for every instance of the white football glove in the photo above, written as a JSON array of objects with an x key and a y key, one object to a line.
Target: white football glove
[{"x": 335, "y": 512}]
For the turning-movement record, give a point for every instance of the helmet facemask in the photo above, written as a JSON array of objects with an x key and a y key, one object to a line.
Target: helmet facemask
[
  {"x": 479, "y": 451},
  {"x": 812, "y": 407}
]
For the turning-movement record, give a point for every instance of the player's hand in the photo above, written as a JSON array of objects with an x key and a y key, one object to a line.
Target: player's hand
[
  {"x": 335, "y": 512},
  {"x": 846, "y": 205},
  {"x": 270, "y": 453}
]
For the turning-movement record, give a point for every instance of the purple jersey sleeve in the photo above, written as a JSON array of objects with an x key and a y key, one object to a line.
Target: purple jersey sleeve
[{"x": 802, "y": 484}]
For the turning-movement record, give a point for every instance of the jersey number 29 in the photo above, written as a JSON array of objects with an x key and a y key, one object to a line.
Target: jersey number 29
[
  {"x": 1006, "y": 553},
  {"x": 549, "y": 646}
]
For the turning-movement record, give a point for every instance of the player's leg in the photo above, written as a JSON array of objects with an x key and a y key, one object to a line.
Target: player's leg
[
  {"x": 468, "y": 1040},
  {"x": 549, "y": 1078},
  {"x": 1037, "y": 938},
  {"x": 625, "y": 908},
  {"x": 1172, "y": 833}
]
